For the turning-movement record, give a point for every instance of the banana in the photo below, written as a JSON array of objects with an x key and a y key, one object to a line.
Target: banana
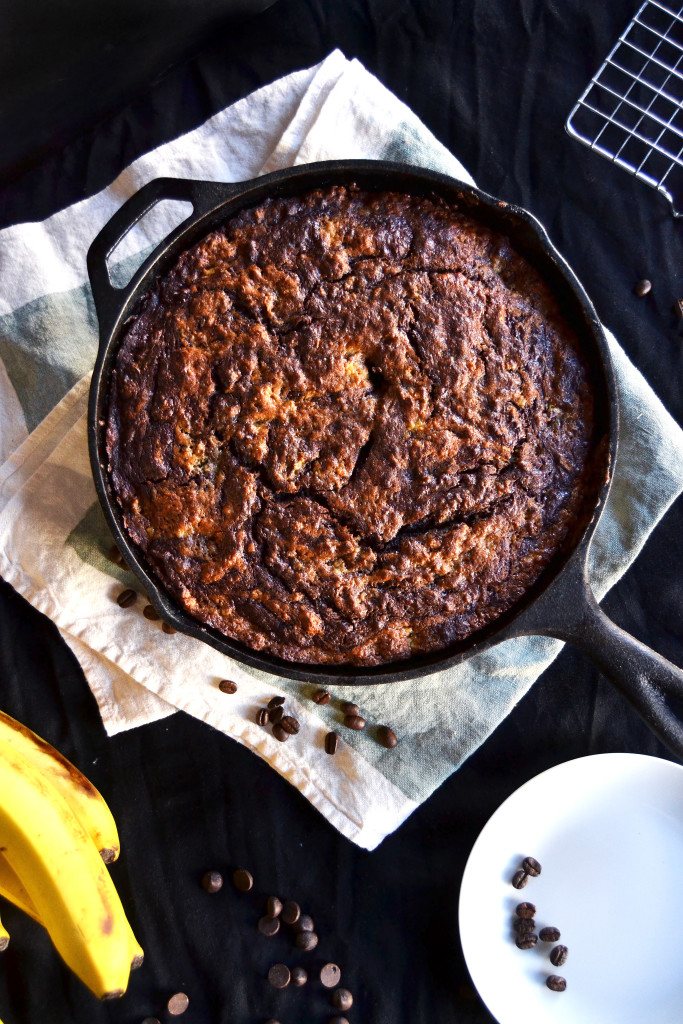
[
  {"x": 86, "y": 802},
  {"x": 64, "y": 876},
  {"x": 12, "y": 889},
  {"x": 4, "y": 938}
]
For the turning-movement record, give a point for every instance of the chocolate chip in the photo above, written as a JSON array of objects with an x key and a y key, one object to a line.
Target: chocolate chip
[
  {"x": 299, "y": 976},
  {"x": 280, "y": 734},
  {"x": 304, "y": 924},
  {"x": 168, "y": 628},
  {"x": 177, "y": 1004},
  {"x": 262, "y": 716},
  {"x": 306, "y": 940},
  {"x": 274, "y": 906},
  {"x": 525, "y": 910},
  {"x": 212, "y": 881},
  {"x": 526, "y": 941},
  {"x": 331, "y": 743},
  {"x": 342, "y": 999},
  {"x": 349, "y": 708},
  {"x": 291, "y": 912},
  {"x": 276, "y": 715},
  {"x": 126, "y": 598},
  {"x": 268, "y": 925},
  {"x": 242, "y": 880},
  {"x": 555, "y": 983},
  {"x": 322, "y": 697},
  {"x": 524, "y": 925},
  {"x": 531, "y": 866},
  {"x": 290, "y": 725},
  {"x": 227, "y": 686},
  {"x": 519, "y": 879},
  {"x": 558, "y": 956},
  {"x": 386, "y": 736},
  {"x": 642, "y": 288},
  {"x": 151, "y": 613},
  {"x": 549, "y": 934},
  {"x": 330, "y": 975},
  {"x": 276, "y": 702},
  {"x": 279, "y": 976},
  {"x": 354, "y": 722}
]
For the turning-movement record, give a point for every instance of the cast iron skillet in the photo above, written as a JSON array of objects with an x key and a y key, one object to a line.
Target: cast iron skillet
[{"x": 561, "y": 605}]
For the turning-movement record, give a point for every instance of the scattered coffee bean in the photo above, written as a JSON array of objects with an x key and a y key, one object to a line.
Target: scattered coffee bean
[
  {"x": 274, "y": 907},
  {"x": 555, "y": 983},
  {"x": 212, "y": 881},
  {"x": 304, "y": 924},
  {"x": 322, "y": 697},
  {"x": 526, "y": 941},
  {"x": 519, "y": 879},
  {"x": 531, "y": 866},
  {"x": 306, "y": 941},
  {"x": 524, "y": 925},
  {"x": 642, "y": 288},
  {"x": 279, "y": 976},
  {"x": 177, "y": 1004},
  {"x": 269, "y": 926},
  {"x": 276, "y": 715},
  {"x": 276, "y": 702},
  {"x": 549, "y": 934},
  {"x": 342, "y": 999},
  {"x": 262, "y": 716},
  {"x": 242, "y": 880},
  {"x": 349, "y": 708},
  {"x": 290, "y": 725},
  {"x": 330, "y": 975},
  {"x": 114, "y": 555},
  {"x": 168, "y": 628},
  {"x": 126, "y": 598},
  {"x": 525, "y": 910},
  {"x": 354, "y": 722},
  {"x": 558, "y": 956},
  {"x": 227, "y": 686},
  {"x": 331, "y": 743},
  {"x": 280, "y": 734},
  {"x": 678, "y": 307},
  {"x": 386, "y": 736},
  {"x": 299, "y": 976},
  {"x": 291, "y": 912},
  {"x": 151, "y": 613}
]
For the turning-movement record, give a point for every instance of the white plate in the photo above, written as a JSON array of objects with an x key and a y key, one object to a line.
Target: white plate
[{"x": 608, "y": 831}]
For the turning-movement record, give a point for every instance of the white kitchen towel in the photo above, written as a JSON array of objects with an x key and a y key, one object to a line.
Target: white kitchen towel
[{"x": 53, "y": 537}]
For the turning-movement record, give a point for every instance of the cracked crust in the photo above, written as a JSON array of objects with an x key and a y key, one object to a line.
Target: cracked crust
[{"x": 350, "y": 427}]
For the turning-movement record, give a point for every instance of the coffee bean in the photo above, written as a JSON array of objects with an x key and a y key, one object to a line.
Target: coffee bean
[
  {"x": 558, "y": 956},
  {"x": 549, "y": 934},
  {"x": 262, "y": 716},
  {"x": 290, "y": 725},
  {"x": 126, "y": 598},
  {"x": 331, "y": 743},
  {"x": 519, "y": 879},
  {"x": 274, "y": 906},
  {"x": 354, "y": 722},
  {"x": 151, "y": 613},
  {"x": 168, "y": 628},
  {"x": 276, "y": 702},
  {"x": 525, "y": 910},
  {"x": 280, "y": 734},
  {"x": 268, "y": 926},
  {"x": 386, "y": 736},
  {"x": 526, "y": 941},
  {"x": 304, "y": 924},
  {"x": 212, "y": 881},
  {"x": 177, "y": 1004},
  {"x": 114, "y": 555},
  {"x": 227, "y": 686},
  {"x": 291, "y": 912},
  {"x": 642, "y": 288},
  {"x": 349, "y": 708},
  {"x": 299, "y": 976},
  {"x": 678, "y": 307},
  {"x": 242, "y": 880},
  {"x": 342, "y": 999},
  {"x": 279, "y": 976},
  {"x": 322, "y": 697},
  {"x": 531, "y": 866},
  {"x": 524, "y": 925},
  {"x": 276, "y": 715},
  {"x": 555, "y": 983},
  {"x": 330, "y": 975},
  {"x": 306, "y": 940}
]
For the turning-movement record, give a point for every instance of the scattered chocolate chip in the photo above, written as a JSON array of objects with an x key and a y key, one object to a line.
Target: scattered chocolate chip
[
  {"x": 151, "y": 613},
  {"x": 354, "y": 722},
  {"x": 386, "y": 736},
  {"x": 168, "y": 628},
  {"x": 525, "y": 910},
  {"x": 349, "y": 708},
  {"x": 279, "y": 976},
  {"x": 555, "y": 983},
  {"x": 526, "y": 941},
  {"x": 549, "y": 934},
  {"x": 331, "y": 743},
  {"x": 276, "y": 702},
  {"x": 519, "y": 879},
  {"x": 642, "y": 288},
  {"x": 177, "y": 1004},
  {"x": 276, "y": 715},
  {"x": 330, "y": 975},
  {"x": 242, "y": 880},
  {"x": 290, "y": 725},
  {"x": 212, "y": 881},
  {"x": 678, "y": 307},
  {"x": 299, "y": 976},
  {"x": 322, "y": 697},
  {"x": 269, "y": 925},
  {"x": 126, "y": 598},
  {"x": 342, "y": 999},
  {"x": 558, "y": 956},
  {"x": 291, "y": 912},
  {"x": 227, "y": 686},
  {"x": 280, "y": 734},
  {"x": 531, "y": 866},
  {"x": 524, "y": 925},
  {"x": 262, "y": 716},
  {"x": 306, "y": 940},
  {"x": 304, "y": 924},
  {"x": 274, "y": 906}
]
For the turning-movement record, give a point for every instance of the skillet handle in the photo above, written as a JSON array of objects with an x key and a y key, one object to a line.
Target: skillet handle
[{"x": 204, "y": 196}]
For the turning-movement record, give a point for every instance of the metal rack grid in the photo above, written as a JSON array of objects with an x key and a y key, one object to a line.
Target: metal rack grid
[{"x": 632, "y": 110}]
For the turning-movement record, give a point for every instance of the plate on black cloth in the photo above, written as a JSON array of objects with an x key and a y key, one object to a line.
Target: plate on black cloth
[{"x": 608, "y": 833}]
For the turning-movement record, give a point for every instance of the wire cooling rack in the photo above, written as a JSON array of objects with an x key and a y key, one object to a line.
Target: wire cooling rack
[{"x": 632, "y": 111}]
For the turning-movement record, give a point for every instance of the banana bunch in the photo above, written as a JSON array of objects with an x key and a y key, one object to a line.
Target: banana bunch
[{"x": 56, "y": 837}]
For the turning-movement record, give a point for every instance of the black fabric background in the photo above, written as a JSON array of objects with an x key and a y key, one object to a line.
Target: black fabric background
[{"x": 84, "y": 93}]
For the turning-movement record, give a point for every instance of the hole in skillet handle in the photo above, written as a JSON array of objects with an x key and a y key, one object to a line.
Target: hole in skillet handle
[{"x": 134, "y": 247}]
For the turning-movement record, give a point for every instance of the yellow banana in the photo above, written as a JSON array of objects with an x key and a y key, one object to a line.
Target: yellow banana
[
  {"x": 4, "y": 939},
  {"x": 66, "y": 880},
  {"x": 86, "y": 802}
]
